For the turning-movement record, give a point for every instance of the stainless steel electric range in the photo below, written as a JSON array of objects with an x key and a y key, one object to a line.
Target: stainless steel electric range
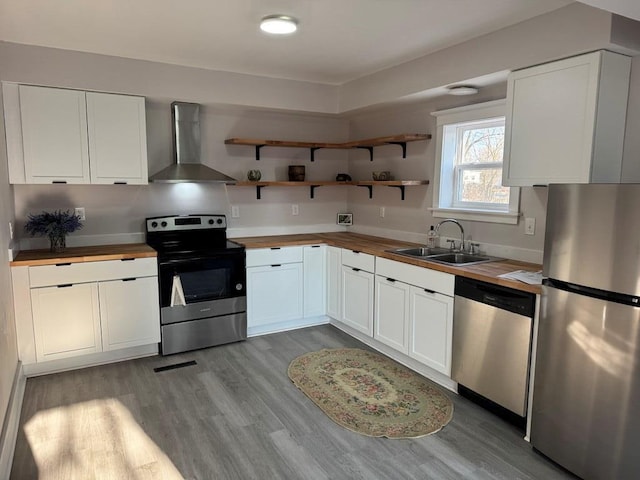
[{"x": 202, "y": 282}]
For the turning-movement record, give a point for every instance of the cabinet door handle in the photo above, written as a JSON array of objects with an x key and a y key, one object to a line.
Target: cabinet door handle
[
  {"x": 429, "y": 291},
  {"x": 128, "y": 279},
  {"x": 276, "y": 265},
  {"x": 66, "y": 285},
  {"x": 119, "y": 183},
  {"x": 315, "y": 246},
  {"x": 391, "y": 280},
  {"x": 63, "y": 264},
  {"x": 355, "y": 269},
  {"x": 127, "y": 259},
  {"x": 356, "y": 251},
  {"x": 275, "y": 248},
  {"x": 59, "y": 181}
]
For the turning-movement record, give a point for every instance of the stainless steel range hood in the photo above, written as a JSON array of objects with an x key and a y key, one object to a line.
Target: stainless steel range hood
[{"x": 186, "y": 149}]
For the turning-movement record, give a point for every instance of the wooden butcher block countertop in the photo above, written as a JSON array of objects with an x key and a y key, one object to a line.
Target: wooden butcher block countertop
[
  {"x": 83, "y": 254},
  {"x": 378, "y": 246}
]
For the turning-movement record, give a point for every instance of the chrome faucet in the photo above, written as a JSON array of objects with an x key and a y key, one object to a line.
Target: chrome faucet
[{"x": 453, "y": 220}]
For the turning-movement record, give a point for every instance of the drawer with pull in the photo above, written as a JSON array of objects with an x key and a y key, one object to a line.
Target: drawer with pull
[
  {"x": 257, "y": 257},
  {"x": 83, "y": 272},
  {"x": 419, "y": 276},
  {"x": 356, "y": 259}
]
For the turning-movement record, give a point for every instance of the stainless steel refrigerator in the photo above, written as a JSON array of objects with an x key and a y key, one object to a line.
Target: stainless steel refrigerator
[{"x": 586, "y": 398}]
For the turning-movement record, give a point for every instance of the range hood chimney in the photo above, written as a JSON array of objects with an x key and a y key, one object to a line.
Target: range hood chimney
[{"x": 186, "y": 150}]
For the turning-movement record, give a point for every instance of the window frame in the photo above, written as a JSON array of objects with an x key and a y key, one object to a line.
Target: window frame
[{"x": 444, "y": 199}]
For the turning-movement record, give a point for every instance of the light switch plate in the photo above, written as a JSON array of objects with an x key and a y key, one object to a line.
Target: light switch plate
[
  {"x": 235, "y": 211},
  {"x": 529, "y": 226},
  {"x": 79, "y": 212}
]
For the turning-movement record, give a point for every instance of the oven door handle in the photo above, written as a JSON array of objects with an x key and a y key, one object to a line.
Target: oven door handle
[{"x": 182, "y": 261}]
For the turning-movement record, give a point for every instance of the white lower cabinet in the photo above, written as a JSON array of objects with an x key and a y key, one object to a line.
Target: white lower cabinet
[
  {"x": 431, "y": 328},
  {"x": 66, "y": 321},
  {"x": 334, "y": 282},
  {"x": 315, "y": 280},
  {"x": 414, "y": 312},
  {"x": 274, "y": 294},
  {"x": 286, "y": 288},
  {"x": 357, "y": 299},
  {"x": 392, "y": 313},
  {"x": 74, "y": 309},
  {"x": 129, "y": 311}
]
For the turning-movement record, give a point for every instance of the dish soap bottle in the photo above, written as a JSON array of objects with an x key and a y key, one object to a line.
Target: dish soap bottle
[{"x": 432, "y": 238}]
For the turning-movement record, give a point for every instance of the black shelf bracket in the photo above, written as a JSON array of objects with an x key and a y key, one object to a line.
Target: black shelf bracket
[
  {"x": 404, "y": 148},
  {"x": 370, "y": 187},
  {"x": 312, "y": 190},
  {"x": 401, "y": 187},
  {"x": 259, "y": 191},
  {"x": 312, "y": 150},
  {"x": 258, "y": 147},
  {"x": 370, "y": 149}
]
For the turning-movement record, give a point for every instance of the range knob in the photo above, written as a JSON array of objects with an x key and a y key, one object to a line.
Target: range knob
[
  {"x": 219, "y": 221},
  {"x": 211, "y": 221},
  {"x": 163, "y": 224},
  {"x": 154, "y": 224}
]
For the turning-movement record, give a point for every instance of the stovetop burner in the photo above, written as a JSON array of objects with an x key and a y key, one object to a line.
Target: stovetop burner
[{"x": 179, "y": 236}]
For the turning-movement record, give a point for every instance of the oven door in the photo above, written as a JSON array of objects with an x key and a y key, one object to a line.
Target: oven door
[{"x": 211, "y": 286}]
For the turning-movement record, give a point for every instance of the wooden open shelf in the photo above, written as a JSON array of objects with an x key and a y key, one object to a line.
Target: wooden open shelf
[
  {"x": 400, "y": 184},
  {"x": 366, "y": 144}
]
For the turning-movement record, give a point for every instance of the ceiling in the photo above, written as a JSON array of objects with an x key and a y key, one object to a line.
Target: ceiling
[{"x": 338, "y": 40}]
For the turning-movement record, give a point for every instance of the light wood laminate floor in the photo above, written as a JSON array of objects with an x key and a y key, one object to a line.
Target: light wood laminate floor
[{"x": 236, "y": 415}]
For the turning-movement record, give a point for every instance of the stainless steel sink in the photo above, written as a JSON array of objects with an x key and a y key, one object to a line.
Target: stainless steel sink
[
  {"x": 443, "y": 255},
  {"x": 420, "y": 252},
  {"x": 461, "y": 259}
]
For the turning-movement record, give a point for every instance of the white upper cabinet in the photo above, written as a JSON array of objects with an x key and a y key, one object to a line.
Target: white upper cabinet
[
  {"x": 565, "y": 121},
  {"x": 56, "y": 135},
  {"x": 117, "y": 138}
]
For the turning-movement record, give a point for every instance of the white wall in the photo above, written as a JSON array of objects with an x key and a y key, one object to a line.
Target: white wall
[
  {"x": 121, "y": 209},
  {"x": 568, "y": 31},
  {"x": 8, "y": 349},
  {"x": 410, "y": 219},
  {"x": 65, "y": 68}
]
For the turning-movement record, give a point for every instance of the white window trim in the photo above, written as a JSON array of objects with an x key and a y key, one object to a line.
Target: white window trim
[{"x": 470, "y": 113}]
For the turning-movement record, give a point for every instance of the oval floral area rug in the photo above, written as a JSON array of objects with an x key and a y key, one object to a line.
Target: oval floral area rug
[{"x": 371, "y": 394}]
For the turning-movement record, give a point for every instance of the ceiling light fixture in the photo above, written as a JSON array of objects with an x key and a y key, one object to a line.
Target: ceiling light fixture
[
  {"x": 279, "y": 24},
  {"x": 462, "y": 90}
]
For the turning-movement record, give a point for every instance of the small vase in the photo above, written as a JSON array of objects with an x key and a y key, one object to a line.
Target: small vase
[
  {"x": 254, "y": 175},
  {"x": 58, "y": 242}
]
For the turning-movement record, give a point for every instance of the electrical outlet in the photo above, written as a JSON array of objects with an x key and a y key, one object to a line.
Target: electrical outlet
[
  {"x": 235, "y": 211},
  {"x": 529, "y": 226},
  {"x": 10, "y": 230},
  {"x": 382, "y": 212},
  {"x": 294, "y": 209},
  {"x": 79, "y": 212}
]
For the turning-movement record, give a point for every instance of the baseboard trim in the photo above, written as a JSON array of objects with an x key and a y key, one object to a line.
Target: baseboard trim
[
  {"x": 9, "y": 433},
  {"x": 287, "y": 325},
  {"x": 90, "y": 360}
]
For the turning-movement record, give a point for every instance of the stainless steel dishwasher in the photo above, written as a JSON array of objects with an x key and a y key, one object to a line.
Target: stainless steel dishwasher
[{"x": 492, "y": 329}]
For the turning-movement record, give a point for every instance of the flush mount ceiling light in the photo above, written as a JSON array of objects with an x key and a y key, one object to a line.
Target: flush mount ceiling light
[
  {"x": 279, "y": 24},
  {"x": 462, "y": 90}
]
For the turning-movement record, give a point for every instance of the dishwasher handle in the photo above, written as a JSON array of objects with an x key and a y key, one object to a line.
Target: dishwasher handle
[
  {"x": 496, "y": 301},
  {"x": 498, "y": 296}
]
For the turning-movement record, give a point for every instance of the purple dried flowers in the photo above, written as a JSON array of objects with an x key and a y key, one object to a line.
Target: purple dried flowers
[{"x": 53, "y": 224}]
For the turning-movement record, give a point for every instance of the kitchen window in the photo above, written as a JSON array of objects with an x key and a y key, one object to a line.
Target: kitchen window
[{"x": 468, "y": 172}]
